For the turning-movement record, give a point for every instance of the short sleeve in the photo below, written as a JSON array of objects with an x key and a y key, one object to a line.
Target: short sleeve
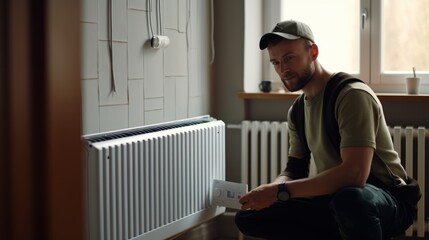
[{"x": 358, "y": 117}]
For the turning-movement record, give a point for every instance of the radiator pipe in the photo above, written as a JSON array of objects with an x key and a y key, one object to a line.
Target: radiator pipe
[{"x": 234, "y": 126}]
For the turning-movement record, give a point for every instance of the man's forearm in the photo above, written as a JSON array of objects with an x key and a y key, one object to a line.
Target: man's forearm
[{"x": 282, "y": 178}]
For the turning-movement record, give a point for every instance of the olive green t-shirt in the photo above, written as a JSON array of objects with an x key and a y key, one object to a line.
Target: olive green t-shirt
[{"x": 361, "y": 123}]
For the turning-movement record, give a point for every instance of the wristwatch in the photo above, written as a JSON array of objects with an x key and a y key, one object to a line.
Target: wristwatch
[{"x": 282, "y": 193}]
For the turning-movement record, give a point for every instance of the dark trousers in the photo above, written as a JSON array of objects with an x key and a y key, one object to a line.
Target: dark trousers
[{"x": 351, "y": 213}]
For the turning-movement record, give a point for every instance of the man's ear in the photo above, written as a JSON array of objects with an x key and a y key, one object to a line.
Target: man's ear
[{"x": 314, "y": 51}]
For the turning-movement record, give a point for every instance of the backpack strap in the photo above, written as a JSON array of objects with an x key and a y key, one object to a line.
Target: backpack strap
[
  {"x": 332, "y": 89},
  {"x": 298, "y": 118},
  {"x": 297, "y": 168}
]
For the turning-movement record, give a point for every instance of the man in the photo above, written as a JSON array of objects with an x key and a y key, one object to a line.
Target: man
[{"x": 353, "y": 195}]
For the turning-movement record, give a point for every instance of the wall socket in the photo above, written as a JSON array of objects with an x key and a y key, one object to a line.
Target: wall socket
[{"x": 160, "y": 41}]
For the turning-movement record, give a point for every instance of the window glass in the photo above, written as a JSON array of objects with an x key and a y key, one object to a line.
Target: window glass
[
  {"x": 336, "y": 28},
  {"x": 405, "y": 35}
]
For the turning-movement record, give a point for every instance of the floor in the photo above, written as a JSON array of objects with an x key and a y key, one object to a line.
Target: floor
[
  {"x": 223, "y": 228},
  {"x": 397, "y": 238},
  {"x": 251, "y": 238}
]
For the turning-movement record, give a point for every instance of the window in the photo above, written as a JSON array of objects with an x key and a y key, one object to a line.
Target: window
[
  {"x": 336, "y": 31},
  {"x": 380, "y": 41},
  {"x": 403, "y": 28}
]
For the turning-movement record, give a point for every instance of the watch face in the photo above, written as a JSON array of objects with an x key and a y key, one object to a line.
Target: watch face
[{"x": 283, "y": 196}]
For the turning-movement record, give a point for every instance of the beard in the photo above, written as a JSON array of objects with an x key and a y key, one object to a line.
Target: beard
[{"x": 301, "y": 79}]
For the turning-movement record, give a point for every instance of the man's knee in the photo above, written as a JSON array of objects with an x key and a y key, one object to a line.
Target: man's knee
[
  {"x": 353, "y": 199},
  {"x": 239, "y": 220},
  {"x": 356, "y": 215},
  {"x": 354, "y": 206},
  {"x": 245, "y": 222}
]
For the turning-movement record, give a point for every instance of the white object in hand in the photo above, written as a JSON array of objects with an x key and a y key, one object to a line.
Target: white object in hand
[{"x": 228, "y": 194}]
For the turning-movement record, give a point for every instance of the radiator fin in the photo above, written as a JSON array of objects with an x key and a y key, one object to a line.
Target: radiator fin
[{"x": 147, "y": 129}]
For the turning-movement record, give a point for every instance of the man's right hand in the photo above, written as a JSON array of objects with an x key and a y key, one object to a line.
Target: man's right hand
[{"x": 260, "y": 197}]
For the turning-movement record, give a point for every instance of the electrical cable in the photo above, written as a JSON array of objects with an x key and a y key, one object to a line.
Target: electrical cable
[
  {"x": 149, "y": 16},
  {"x": 110, "y": 42},
  {"x": 188, "y": 6},
  {"x": 159, "y": 17},
  {"x": 212, "y": 32}
]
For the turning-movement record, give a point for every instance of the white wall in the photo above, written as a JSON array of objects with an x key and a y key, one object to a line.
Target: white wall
[{"x": 152, "y": 85}]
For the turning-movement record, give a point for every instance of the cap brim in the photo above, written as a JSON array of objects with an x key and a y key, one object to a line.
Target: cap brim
[{"x": 263, "y": 43}]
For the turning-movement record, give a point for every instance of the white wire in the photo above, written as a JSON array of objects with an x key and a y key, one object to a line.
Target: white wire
[
  {"x": 110, "y": 43},
  {"x": 159, "y": 17},
  {"x": 212, "y": 32},
  {"x": 188, "y": 6},
  {"x": 149, "y": 16}
]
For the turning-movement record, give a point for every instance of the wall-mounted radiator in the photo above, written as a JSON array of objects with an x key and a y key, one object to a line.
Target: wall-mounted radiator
[
  {"x": 264, "y": 154},
  {"x": 153, "y": 182}
]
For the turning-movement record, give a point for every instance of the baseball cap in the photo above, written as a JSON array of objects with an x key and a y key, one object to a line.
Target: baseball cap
[{"x": 290, "y": 29}]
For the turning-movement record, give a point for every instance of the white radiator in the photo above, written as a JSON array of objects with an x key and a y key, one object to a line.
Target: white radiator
[
  {"x": 155, "y": 181},
  {"x": 264, "y": 154},
  {"x": 410, "y": 142},
  {"x": 263, "y": 151}
]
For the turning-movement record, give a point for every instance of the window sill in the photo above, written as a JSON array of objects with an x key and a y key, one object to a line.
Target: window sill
[{"x": 384, "y": 97}]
